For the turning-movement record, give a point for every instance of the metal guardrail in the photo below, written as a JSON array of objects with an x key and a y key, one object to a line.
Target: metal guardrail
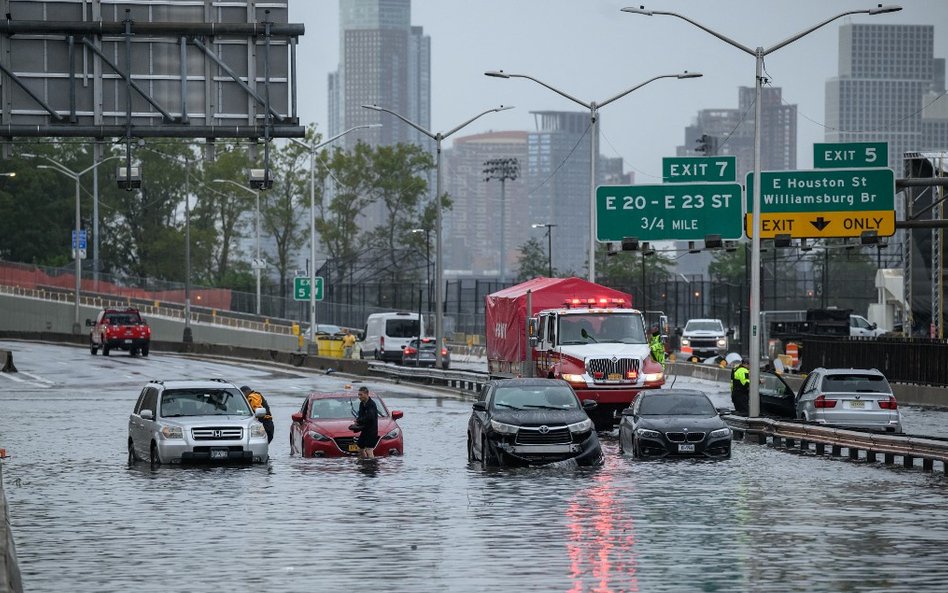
[
  {"x": 859, "y": 445},
  {"x": 464, "y": 381}
]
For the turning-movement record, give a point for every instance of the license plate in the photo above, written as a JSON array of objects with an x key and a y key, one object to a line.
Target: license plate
[
  {"x": 857, "y": 404},
  {"x": 686, "y": 448},
  {"x": 128, "y": 341},
  {"x": 614, "y": 377},
  {"x": 353, "y": 448},
  {"x": 218, "y": 453}
]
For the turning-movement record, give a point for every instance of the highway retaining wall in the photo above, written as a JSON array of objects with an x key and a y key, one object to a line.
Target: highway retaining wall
[{"x": 9, "y": 569}]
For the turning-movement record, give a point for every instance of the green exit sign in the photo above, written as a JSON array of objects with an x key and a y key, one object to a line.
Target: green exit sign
[
  {"x": 699, "y": 168},
  {"x": 842, "y": 155},
  {"x": 301, "y": 288}
]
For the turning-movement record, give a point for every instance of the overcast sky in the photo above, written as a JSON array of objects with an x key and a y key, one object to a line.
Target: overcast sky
[{"x": 591, "y": 50}]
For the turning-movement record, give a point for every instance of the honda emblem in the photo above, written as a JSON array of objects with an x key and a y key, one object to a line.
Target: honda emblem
[{"x": 218, "y": 434}]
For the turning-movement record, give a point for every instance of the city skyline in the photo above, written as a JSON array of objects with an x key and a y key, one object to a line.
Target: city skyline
[{"x": 523, "y": 41}]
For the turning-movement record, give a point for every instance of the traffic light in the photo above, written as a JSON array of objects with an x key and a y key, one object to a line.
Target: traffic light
[{"x": 704, "y": 143}]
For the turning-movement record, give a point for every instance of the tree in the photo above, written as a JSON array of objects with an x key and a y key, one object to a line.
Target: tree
[
  {"x": 533, "y": 261},
  {"x": 729, "y": 267},
  {"x": 629, "y": 270}
]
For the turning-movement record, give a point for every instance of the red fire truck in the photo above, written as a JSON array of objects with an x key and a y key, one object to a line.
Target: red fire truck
[{"x": 581, "y": 332}]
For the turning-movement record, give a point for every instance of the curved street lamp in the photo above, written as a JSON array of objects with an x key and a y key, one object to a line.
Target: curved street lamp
[
  {"x": 312, "y": 223},
  {"x": 438, "y": 137},
  {"x": 593, "y": 108},
  {"x": 759, "y": 54}
]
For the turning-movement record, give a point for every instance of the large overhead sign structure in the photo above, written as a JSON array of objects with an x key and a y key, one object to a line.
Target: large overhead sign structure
[
  {"x": 826, "y": 203},
  {"x": 152, "y": 68}
]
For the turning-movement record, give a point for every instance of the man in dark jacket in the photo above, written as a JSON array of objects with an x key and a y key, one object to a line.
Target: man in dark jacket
[{"x": 368, "y": 420}]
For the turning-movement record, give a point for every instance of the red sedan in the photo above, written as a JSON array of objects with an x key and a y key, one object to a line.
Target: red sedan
[{"x": 321, "y": 427}]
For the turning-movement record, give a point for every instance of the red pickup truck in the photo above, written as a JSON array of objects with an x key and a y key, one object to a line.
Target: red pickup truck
[{"x": 119, "y": 329}]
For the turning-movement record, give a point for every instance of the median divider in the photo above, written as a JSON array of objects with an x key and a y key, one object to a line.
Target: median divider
[{"x": 6, "y": 362}]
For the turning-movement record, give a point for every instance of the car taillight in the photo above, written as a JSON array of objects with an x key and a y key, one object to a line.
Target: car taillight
[
  {"x": 410, "y": 351},
  {"x": 444, "y": 352},
  {"x": 822, "y": 402},
  {"x": 382, "y": 342},
  {"x": 889, "y": 404}
]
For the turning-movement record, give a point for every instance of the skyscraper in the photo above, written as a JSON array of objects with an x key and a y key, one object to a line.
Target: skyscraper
[
  {"x": 732, "y": 132},
  {"x": 383, "y": 61},
  {"x": 887, "y": 90}
]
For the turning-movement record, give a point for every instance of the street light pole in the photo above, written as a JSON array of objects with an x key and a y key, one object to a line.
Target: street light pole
[
  {"x": 427, "y": 233},
  {"x": 502, "y": 170},
  {"x": 438, "y": 137},
  {"x": 256, "y": 264},
  {"x": 312, "y": 225},
  {"x": 549, "y": 243},
  {"x": 61, "y": 168},
  {"x": 759, "y": 54},
  {"x": 593, "y": 108}
]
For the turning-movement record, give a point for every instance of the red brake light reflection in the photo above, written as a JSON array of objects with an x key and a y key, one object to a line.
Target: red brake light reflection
[
  {"x": 889, "y": 404},
  {"x": 822, "y": 402}
]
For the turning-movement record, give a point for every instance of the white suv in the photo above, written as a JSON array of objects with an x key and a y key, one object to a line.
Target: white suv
[
  {"x": 704, "y": 338},
  {"x": 206, "y": 420}
]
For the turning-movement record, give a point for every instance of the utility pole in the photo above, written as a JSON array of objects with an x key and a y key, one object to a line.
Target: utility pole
[{"x": 502, "y": 169}]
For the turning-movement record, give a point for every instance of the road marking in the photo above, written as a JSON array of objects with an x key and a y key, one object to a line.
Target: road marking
[
  {"x": 12, "y": 378},
  {"x": 37, "y": 378}
]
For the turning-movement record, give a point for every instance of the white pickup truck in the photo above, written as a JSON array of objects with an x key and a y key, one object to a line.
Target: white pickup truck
[{"x": 704, "y": 338}]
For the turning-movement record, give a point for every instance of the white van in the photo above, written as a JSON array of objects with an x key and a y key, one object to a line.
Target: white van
[{"x": 386, "y": 334}]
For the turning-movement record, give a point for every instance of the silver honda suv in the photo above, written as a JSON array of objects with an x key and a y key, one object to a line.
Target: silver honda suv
[{"x": 207, "y": 420}]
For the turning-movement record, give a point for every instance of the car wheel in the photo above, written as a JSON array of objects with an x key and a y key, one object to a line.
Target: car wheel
[
  {"x": 133, "y": 351},
  {"x": 486, "y": 458},
  {"x": 470, "y": 448},
  {"x": 145, "y": 351},
  {"x": 93, "y": 349},
  {"x": 105, "y": 350},
  {"x": 132, "y": 458},
  {"x": 155, "y": 458},
  {"x": 635, "y": 450}
]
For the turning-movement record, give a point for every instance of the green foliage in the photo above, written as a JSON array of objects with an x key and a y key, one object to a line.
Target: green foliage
[
  {"x": 729, "y": 267},
  {"x": 533, "y": 261}
]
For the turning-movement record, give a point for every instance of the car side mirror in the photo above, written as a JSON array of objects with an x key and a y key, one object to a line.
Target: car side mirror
[
  {"x": 873, "y": 326},
  {"x": 730, "y": 332},
  {"x": 678, "y": 331},
  {"x": 589, "y": 404},
  {"x": 397, "y": 415},
  {"x": 628, "y": 412},
  {"x": 89, "y": 323},
  {"x": 259, "y": 413},
  {"x": 403, "y": 346},
  {"x": 147, "y": 415},
  {"x": 480, "y": 406},
  {"x": 297, "y": 417}
]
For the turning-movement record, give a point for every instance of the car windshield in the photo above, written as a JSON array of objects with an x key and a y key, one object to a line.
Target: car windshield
[
  {"x": 624, "y": 328},
  {"x": 678, "y": 404},
  {"x": 704, "y": 326},
  {"x": 123, "y": 319},
  {"x": 535, "y": 397},
  {"x": 401, "y": 328},
  {"x": 337, "y": 408},
  {"x": 203, "y": 402},
  {"x": 854, "y": 383},
  {"x": 426, "y": 344}
]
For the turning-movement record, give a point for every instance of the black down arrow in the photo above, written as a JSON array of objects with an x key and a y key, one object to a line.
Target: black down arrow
[{"x": 820, "y": 223}]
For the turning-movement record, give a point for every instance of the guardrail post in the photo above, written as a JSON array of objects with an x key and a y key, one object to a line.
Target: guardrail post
[
  {"x": 928, "y": 464},
  {"x": 804, "y": 446},
  {"x": 908, "y": 461},
  {"x": 870, "y": 456},
  {"x": 820, "y": 449},
  {"x": 889, "y": 458},
  {"x": 836, "y": 451},
  {"x": 853, "y": 453}
]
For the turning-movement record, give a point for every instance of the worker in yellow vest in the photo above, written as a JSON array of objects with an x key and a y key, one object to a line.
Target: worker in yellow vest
[
  {"x": 257, "y": 400},
  {"x": 740, "y": 388}
]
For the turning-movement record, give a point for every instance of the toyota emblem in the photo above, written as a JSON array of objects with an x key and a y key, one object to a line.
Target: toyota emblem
[{"x": 544, "y": 429}]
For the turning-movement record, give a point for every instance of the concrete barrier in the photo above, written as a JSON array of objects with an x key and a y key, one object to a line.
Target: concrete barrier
[
  {"x": 9, "y": 568},
  {"x": 6, "y": 362}
]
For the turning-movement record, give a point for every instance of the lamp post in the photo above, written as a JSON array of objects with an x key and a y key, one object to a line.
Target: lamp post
[
  {"x": 593, "y": 108},
  {"x": 759, "y": 54},
  {"x": 312, "y": 224},
  {"x": 256, "y": 263},
  {"x": 75, "y": 175},
  {"x": 502, "y": 170},
  {"x": 438, "y": 137},
  {"x": 549, "y": 243},
  {"x": 427, "y": 233}
]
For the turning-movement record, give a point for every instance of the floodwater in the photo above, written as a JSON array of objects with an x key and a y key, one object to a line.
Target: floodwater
[{"x": 766, "y": 520}]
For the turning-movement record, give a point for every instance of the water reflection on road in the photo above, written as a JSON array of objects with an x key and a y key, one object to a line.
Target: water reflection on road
[{"x": 764, "y": 521}]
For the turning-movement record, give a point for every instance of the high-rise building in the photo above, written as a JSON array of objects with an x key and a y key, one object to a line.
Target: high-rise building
[
  {"x": 731, "y": 132},
  {"x": 888, "y": 90},
  {"x": 472, "y": 227},
  {"x": 383, "y": 61}
]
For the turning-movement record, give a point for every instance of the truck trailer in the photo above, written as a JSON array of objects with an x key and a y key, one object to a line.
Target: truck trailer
[{"x": 584, "y": 333}]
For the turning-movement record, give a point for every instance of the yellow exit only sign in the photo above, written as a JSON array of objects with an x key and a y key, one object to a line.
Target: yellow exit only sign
[{"x": 822, "y": 225}]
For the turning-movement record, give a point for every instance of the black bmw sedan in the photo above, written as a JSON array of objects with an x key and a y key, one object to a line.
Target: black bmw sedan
[
  {"x": 673, "y": 423},
  {"x": 531, "y": 422}
]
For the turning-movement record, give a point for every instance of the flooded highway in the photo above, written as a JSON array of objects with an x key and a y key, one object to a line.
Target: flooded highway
[{"x": 766, "y": 520}]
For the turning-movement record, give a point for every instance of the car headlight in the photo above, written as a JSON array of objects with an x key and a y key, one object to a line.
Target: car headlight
[
  {"x": 571, "y": 378},
  {"x": 317, "y": 436},
  {"x": 722, "y": 342},
  {"x": 721, "y": 432},
  {"x": 583, "y": 426},
  {"x": 503, "y": 428},
  {"x": 392, "y": 434},
  {"x": 257, "y": 430},
  {"x": 649, "y": 434},
  {"x": 172, "y": 432},
  {"x": 685, "y": 342},
  {"x": 649, "y": 377}
]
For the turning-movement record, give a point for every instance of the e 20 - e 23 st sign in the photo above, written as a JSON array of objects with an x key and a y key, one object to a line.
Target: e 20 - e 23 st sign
[{"x": 686, "y": 211}]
